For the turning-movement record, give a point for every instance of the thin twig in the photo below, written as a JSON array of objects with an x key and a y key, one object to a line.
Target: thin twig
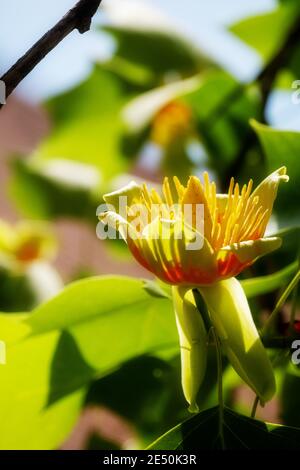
[
  {"x": 294, "y": 303},
  {"x": 269, "y": 324},
  {"x": 220, "y": 385},
  {"x": 254, "y": 408},
  {"x": 293, "y": 310},
  {"x": 79, "y": 17}
]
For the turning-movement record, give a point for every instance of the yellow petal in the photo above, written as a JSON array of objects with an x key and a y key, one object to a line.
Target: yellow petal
[
  {"x": 251, "y": 250},
  {"x": 193, "y": 344},
  {"x": 195, "y": 253},
  {"x": 118, "y": 224},
  {"x": 267, "y": 191},
  {"x": 7, "y": 237},
  {"x": 132, "y": 191},
  {"x": 232, "y": 319},
  {"x": 34, "y": 240},
  {"x": 177, "y": 253}
]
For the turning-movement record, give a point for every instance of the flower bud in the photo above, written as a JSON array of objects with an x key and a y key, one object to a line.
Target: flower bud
[
  {"x": 232, "y": 319},
  {"x": 193, "y": 344}
]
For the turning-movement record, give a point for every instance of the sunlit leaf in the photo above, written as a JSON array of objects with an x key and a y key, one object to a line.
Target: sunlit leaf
[
  {"x": 282, "y": 148},
  {"x": 265, "y": 284},
  {"x": 87, "y": 123},
  {"x": 273, "y": 25},
  {"x": 87, "y": 331},
  {"x": 147, "y": 38},
  {"x": 24, "y": 393},
  {"x": 41, "y": 195}
]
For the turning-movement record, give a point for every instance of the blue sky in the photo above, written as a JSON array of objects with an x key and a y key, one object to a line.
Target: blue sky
[
  {"x": 201, "y": 19},
  {"x": 204, "y": 21}
]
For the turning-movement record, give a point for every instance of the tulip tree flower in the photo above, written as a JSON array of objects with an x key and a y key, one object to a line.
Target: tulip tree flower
[
  {"x": 25, "y": 243},
  {"x": 172, "y": 123},
  {"x": 230, "y": 238}
]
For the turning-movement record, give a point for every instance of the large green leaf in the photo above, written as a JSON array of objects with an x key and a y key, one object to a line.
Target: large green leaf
[
  {"x": 40, "y": 194},
  {"x": 157, "y": 49},
  {"x": 282, "y": 148},
  {"x": 273, "y": 25},
  {"x": 151, "y": 398},
  {"x": 13, "y": 327},
  {"x": 265, "y": 284},
  {"x": 25, "y": 382},
  {"x": 25, "y": 387},
  {"x": 87, "y": 331},
  {"x": 202, "y": 432},
  {"x": 289, "y": 395},
  {"x": 87, "y": 123}
]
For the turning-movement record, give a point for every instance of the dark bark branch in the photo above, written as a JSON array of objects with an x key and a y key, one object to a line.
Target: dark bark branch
[
  {"x": 265, "y": 82},
  {"x": 79, "y": 17},
  {"x": 268, "y": 75}
]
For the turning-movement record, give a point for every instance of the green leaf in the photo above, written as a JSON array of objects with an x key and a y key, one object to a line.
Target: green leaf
[
  {"x": 13, "y": 327},
  {"x": 87, "y": 123},
  {"x": 151, "y": 398},
  {"x": 265, "y": 284},
  {"x": 157, "y": 290},
  {"x": 87, "y": 331},
  {"x": 25, "y": 377},
  {"x": 39, "y": 194},
  {"x": 87, "y": 127},
  {"x": 290, "y": 395},
  {"x": 109, "y": 329},
  {"x": 282, "y": 148},
  {"x": 160, "y": 50},
  {"x": 86, "y": 300},
  {"x": 273, "y": 25},
  {"x": 201, "y": 432}
]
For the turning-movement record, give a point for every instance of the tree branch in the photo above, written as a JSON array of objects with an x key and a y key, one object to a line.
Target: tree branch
[
  {"x": 266, "y": 80},
  {"x": 79, "y": 17},
  {"x": 268, "y": 75}
]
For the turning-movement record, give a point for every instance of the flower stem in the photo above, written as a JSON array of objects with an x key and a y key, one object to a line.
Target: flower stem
[
  {"x": 269, "y": 324},
  {"x": 202, "y": 308},
  {"x": 254, "y": 407},
  {"x": 220, "y": 385}
]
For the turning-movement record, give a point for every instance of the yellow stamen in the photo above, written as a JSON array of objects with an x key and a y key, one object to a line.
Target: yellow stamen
[
  {"x": 206, "y": 186},
  {"x": 146, "y": 197},
  {"x": 167, "y": 192},
  {"x": 179, "y": 188}
]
